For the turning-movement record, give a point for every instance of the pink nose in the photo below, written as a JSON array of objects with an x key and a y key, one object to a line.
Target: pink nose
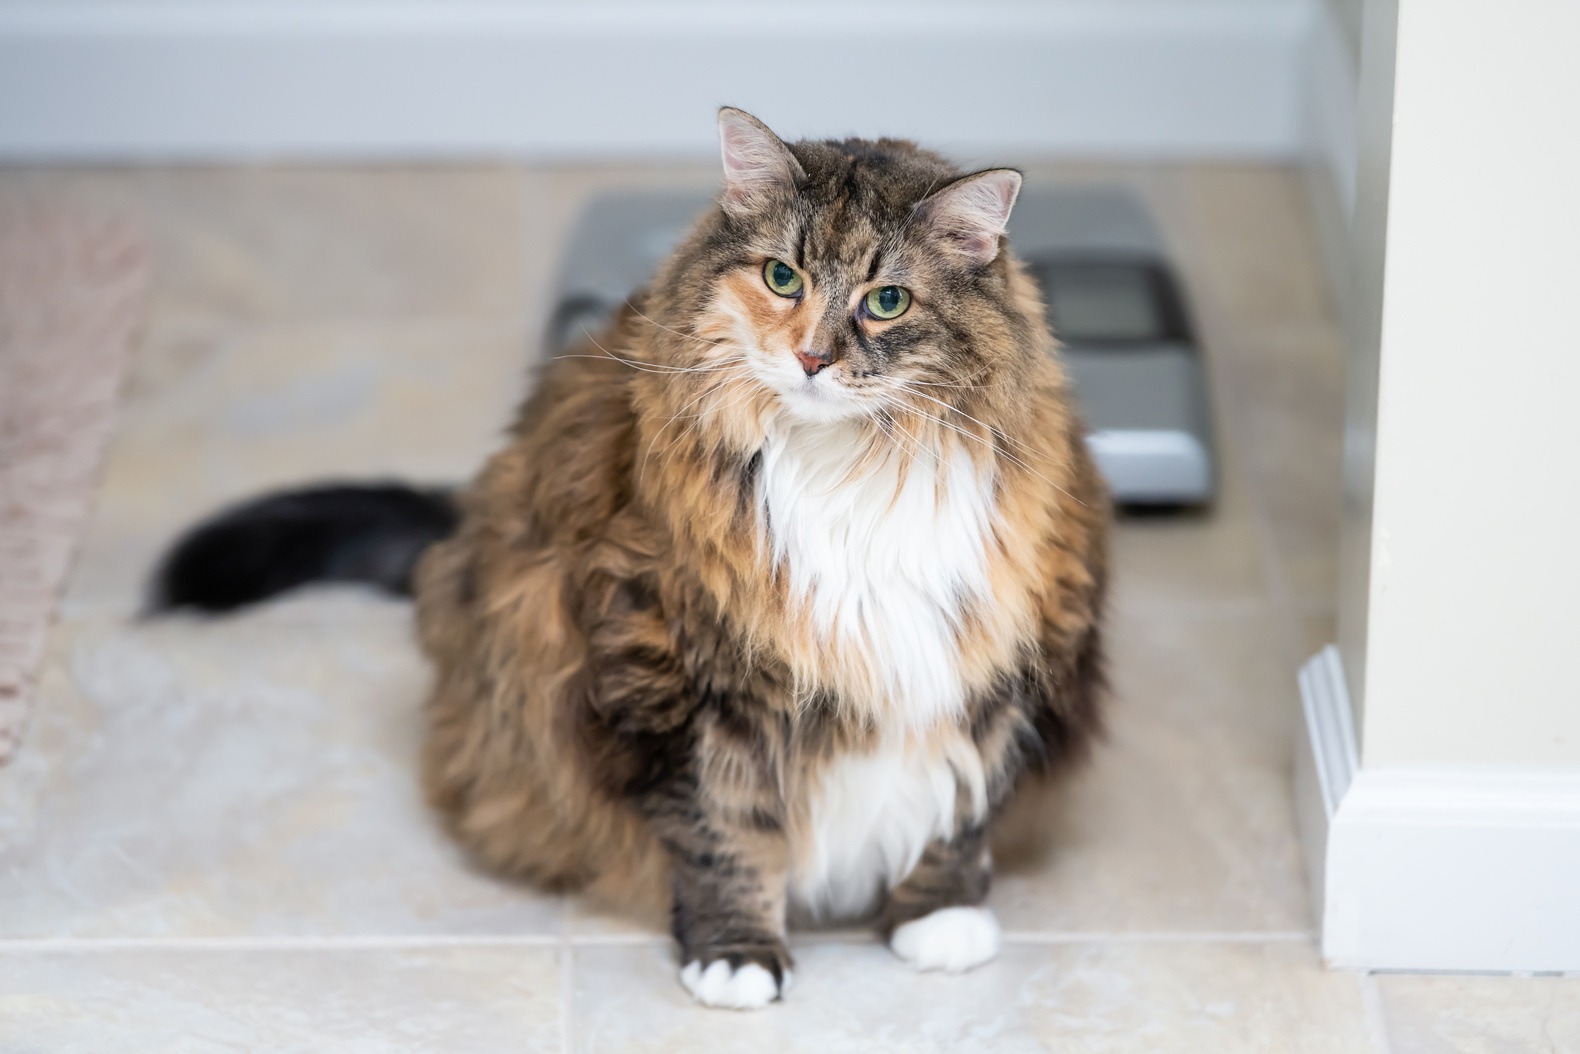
[{"x": 811, "y": 363}]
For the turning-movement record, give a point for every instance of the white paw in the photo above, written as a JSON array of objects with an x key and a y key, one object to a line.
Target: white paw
[
  {"x": 749, "y": 988},
  {"x": 952, "y": 939}
]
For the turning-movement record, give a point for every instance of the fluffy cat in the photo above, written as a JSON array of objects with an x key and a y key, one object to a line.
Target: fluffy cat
[{"x": 783, "y": 584}]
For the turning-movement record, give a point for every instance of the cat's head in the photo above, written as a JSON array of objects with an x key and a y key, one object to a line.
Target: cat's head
[{"x": 848, "y": 279}]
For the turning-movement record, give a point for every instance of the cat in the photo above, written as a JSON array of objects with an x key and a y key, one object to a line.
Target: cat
[{"x": 781, "y": 587}]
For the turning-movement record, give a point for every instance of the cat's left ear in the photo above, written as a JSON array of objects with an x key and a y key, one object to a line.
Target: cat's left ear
[
  {"x": 970, "y": 214},
  {"x": 757, "y": 164}
]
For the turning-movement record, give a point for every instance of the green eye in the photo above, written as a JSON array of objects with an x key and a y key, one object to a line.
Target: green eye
[
  {"x": 888, "y": 302},
  {"x": 781, "y": 278}
]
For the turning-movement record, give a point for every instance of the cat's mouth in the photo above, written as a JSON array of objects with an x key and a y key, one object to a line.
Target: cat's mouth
[{"x": 822, "y": 397}]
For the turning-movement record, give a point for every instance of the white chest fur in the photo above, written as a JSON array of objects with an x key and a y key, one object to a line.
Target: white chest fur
[
  {"x": 870, "y": 817},
  {"x": 868, "y": 821},
  {"x": 884, "y": 562}
]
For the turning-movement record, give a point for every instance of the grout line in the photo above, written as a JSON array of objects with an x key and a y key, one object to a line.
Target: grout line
[
  {"x": 1161, "y": 937},
  {"x": 285, "y": 944},
  {"x": 567, "y": 941},
  {"x": 1376, "y": 1017},
  {"x": 835, "y": 938},
  {"x": 601, "y": 940}
]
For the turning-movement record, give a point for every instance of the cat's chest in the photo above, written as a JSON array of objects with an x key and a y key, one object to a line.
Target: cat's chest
[{"x": 883, "y": 559}]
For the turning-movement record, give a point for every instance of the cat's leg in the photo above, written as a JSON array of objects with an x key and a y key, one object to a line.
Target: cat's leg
[
  {"x": 722, "y": 823},
  {"x": 681, "y": 733},
  {"x": 934, "y": 919},
  {"x": 729, "y": 917}
]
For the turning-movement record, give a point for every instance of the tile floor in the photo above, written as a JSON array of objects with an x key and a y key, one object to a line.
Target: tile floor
[{"x": 212, "y": 838}]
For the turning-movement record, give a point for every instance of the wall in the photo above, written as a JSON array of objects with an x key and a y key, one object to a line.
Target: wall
[
  {"x": 1475, "y": 567},
  {"x": 206, "y": 79},
  {"x": 1351, "y": 73}
]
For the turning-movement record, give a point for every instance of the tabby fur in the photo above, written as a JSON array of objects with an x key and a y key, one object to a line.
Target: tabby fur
[{"x": 681, "y": 632}]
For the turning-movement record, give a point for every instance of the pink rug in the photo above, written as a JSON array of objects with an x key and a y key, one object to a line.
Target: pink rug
[{"x": 71, "y": 289}]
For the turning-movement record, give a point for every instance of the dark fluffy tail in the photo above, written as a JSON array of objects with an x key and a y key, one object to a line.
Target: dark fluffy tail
[{"x": 332, "y": 533}]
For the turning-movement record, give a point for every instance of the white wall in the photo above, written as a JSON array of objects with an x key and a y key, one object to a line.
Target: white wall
[
  {"x": 1451, "y": 839},
  {"x": 207, "y": 79},
  {"x": 1474, "y": 624},
  {"x": 1361, "y": 252}
]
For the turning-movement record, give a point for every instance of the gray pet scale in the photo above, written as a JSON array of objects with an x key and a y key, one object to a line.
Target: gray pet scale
[{"x": 1112, "y": 298}]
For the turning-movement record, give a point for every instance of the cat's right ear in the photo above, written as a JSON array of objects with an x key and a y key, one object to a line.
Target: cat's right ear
[{"x": 758, "y": 167}]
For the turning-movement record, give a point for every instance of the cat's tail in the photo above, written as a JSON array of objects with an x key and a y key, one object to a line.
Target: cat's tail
[{"x": 372, "y": 533}]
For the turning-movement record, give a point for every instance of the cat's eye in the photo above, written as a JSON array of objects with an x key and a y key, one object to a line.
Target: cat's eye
[
  {"x": 889, "y": 301},
  {"x": 782, "y": 278}
]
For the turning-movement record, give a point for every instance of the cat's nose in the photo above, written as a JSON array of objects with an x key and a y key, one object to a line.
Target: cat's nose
[{"x": 811, "y": 363}]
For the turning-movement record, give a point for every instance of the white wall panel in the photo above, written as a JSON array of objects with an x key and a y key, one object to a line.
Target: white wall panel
[{"x": 339, "y": 79}]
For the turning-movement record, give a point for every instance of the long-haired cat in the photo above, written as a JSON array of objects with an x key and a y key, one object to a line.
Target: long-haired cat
[{"x": 781, "y": 585}]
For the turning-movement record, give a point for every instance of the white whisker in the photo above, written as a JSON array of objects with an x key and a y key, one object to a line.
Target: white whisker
[
  {"x": 648, "y": 367},
  {"x": 993, "y": 447},
  {"x": 676, "y": 332},
  {"x": 697, "y": 418},
  {"x": 734, "y": 377}
]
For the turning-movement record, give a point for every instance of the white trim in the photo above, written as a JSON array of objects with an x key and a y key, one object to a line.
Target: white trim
[
  {"x": 1440, "y": 868},
  {"x": 1330, "y": 723},
  {"x": 1325, "y": 761},
  {"x": 455, "y": 78}
]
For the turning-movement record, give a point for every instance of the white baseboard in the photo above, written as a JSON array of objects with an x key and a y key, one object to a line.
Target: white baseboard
[
  {"x": 1441, "y": 868},
  {"x": 185, "y": 79}
]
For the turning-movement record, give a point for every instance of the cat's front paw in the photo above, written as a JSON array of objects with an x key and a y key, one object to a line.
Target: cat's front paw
[
  {"x": 950, "y": 939},
  {"x": 738, "y": 984}
]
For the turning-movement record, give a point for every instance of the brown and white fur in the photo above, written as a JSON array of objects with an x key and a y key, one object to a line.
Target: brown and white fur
[{"x": 769, "y": 604}]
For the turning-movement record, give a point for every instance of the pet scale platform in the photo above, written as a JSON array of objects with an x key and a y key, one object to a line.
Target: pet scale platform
[{"x": 1112, "y": 298}]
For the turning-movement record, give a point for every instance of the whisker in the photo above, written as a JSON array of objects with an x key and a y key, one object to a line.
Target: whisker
[
  {"x": 735, "y": 378},
  {"x": 949, "y": 406},
  {"x": 933, "y": 456},
  {"x": 945, "y": 384},
  {"x": 676, "y": 332},
  {"x": 1001, "y": 452},
  {"x": 697, "y": 418},
  {"x": 652, "y": 367},
  {"x": 648, "y": 367}
]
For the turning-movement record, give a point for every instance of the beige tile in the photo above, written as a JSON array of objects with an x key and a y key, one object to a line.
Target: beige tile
[
  {"x": 1291, "y": 380},
  {"x": 1184, "y": 822},
  {"x": 1169, "y": 560},
  {"x": 1245, "y": 236},
  {"x": 1158, "y": 998},
  {"x": 597, "y": 919},
  {"x": 1481, "y": 1015},
  {"x": 234, "y": 413},
  {"x": 253, "y": 776},
  {"x": 291, "y": 1002},
  {"x": 269, "y": 242},
  {"x": 1314, "y": 631},
  {"x": 1186, "y": 560}
]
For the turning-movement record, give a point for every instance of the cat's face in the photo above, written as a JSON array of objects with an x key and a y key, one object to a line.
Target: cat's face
[{"x": 852, "y": 279}]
